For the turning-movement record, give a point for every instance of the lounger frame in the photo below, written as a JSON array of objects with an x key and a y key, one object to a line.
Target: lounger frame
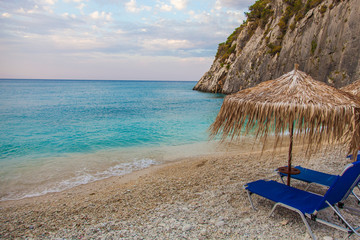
[{"x": 348, "y": 228}]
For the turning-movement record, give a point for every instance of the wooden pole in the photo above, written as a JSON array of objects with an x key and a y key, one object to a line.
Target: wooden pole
[
  {"x": 290, "y": 152},
  {"x": 291, "y": 130}
]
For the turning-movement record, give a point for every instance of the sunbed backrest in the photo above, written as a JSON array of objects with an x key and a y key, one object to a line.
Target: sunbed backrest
[{"x": 343, "y": 185}]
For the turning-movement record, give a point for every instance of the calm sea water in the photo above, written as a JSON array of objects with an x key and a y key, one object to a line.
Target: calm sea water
[{"x": 57, "y": 134}]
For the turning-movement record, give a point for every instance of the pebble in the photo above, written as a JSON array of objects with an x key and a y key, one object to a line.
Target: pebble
[
  {"x": 284, "y": 222},
  {"x": 203, "y": 231},
  {"x": 220, "y": 223},
  {"x": 186, "y": 227},
  {"x": 216, "y": 208},
  {"x": 328, "y": 238}
]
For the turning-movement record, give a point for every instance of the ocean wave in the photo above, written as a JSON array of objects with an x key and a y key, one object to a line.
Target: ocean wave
[{"x": 84, "y": 177}]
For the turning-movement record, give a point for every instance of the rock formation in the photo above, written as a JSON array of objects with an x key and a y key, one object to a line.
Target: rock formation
[{"x": 322, "y": 36}]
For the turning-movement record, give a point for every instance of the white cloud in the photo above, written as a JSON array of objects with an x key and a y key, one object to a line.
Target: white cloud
[
  {"x": 6, "y": 15},
  {"x": 81, "y": 6},
  {"x": 46, "y": 5},
  {"x": 166, "y": 44},
  {"x": 46, "y": 2},
  {"x": 94, "y": 15},
  {"x": 50, "y": 2},
  {"x": 101, "y": 16},
  {"x": 34, "y": 10},
  {"x": 76, "y": 1},
  {"x": 218, "y": 5},
  {"x": 179, "y": 4},
  {"x": 235, "y": 16},
  {"x": 20, "y": 10},
  {"x": 235, "y": 4},
  {"x": 48, "y": 9},
  {"x": 120, "y": 31},
  {"x": 132, "y": 7},
  {"x": 72, "y": 40},
  {"x": 203, "y": 17},
  {"x": 67, "y": 15},
  {"x": 39, "y": 6},
  {"x": 165, "y": 7}
]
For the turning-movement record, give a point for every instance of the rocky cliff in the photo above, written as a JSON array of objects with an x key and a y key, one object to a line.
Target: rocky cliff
[{"x": 322, "y": 36}]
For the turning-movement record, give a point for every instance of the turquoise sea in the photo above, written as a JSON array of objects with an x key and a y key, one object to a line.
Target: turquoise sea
[{"x": 57, "y": 134}]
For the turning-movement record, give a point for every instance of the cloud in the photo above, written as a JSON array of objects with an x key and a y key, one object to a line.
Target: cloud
[
  {"x": 6, "y": 15},
  {"x": 35, "y": 9},
  {"x": 72, "y": 41},
  {"x": 67, "y": 15},
  {"x": 81, "y": 6},
  {"x": 203, "y": 17},
  {"x": 166, "y": 44},
  {"x": 179, "y": 4},
  {"x": 132, "y": 7},
  {"x": 164, "y": 7},
  {"x": 82, "y": 28},
  {"x": 101, "y": 16},
  {"x": 235, "y": 4},
  {"x": 45, "y": 2},
  {"x": 76, "y": 1},
  {"x": 45, "y": 5},
  {"x": 100, "y": 66}
]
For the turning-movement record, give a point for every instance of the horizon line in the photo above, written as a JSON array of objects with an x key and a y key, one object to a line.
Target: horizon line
[{"x": 127, "y": 80}]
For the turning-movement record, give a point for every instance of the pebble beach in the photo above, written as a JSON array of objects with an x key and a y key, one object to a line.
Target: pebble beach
[{"x": 194, "y": 198}]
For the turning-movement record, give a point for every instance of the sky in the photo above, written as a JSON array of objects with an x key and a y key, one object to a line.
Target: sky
[{"x": 114, "y": 39}]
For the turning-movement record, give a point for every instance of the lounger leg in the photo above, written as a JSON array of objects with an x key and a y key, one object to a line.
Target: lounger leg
[
  {"x": 250, "y": 199},
  {"x": 301, "y": 215},
  {"x": 307, "y": 225},
  {"x": 342, "y": 218},
  {"x": 281, "y": 177},
  {"x": 357, "y": 197},
  {"x": 273, "y": 209},
  {"x": 353, "y": 211}
]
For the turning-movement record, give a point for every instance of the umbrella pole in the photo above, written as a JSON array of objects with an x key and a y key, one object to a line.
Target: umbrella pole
[{"x": 290, "y": 152}]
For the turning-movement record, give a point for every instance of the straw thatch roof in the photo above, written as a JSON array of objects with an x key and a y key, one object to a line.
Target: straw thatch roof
[
  {"x": 321, "y": 112},
  {"x": 353, "y": 88}
]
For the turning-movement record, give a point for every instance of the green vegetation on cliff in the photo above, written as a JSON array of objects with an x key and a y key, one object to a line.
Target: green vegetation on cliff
[
  {"x": 259, "y": 16},
  {"x": 293, "y": 8},
  {"x": 226, "y": 48}
]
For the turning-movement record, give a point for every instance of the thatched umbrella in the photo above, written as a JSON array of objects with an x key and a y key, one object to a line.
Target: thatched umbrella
[
  {"x": 319, "y": 113},
  {"x": 353, "y": 88}
]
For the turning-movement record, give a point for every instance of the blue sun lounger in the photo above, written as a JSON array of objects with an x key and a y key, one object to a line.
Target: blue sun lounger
[
  {"x": 308, "y": 204},
  {"x": 314, "y": 177}
]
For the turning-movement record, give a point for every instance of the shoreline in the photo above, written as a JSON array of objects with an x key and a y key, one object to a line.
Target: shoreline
[
  {"x": 67, "y": 172},
  {"x": 197, "y": 198},
  {"x": 226, "y": 148}
]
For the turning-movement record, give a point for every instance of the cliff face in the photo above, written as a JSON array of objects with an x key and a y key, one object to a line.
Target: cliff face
[{"x": 322, "y": 36}]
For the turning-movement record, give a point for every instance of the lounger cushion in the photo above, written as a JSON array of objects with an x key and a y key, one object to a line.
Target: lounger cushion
[
  {"x": 304, "y": 201},
  {"x": 311, "y": 176}
]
